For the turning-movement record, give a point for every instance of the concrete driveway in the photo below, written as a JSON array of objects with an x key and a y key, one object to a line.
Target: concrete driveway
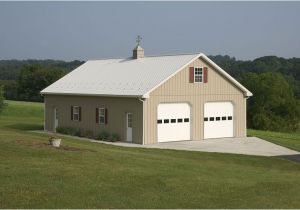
[{"x": 246, "y": 146}]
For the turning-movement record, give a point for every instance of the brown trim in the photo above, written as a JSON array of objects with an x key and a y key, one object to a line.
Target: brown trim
[
  {"x": 72, "y": 113},
  {"x": 106, "y": 116},
  {"x": 205, "y": 72},
  {"x": 79, "y": 113},
  {"x": 191, "y": 74},
  {"x": 97, "y": 115}
]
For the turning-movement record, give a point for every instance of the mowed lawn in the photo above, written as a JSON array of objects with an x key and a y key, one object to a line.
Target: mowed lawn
[
  {"x": 290, "y": 140},
  {"x": 91, "y": 175}
]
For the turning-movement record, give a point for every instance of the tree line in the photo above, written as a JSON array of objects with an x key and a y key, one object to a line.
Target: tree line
[
  {"x": 23, "y": 80},
  {"x": 274, "y": 82}
]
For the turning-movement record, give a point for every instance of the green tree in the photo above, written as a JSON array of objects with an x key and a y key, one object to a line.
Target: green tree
[
  {"x": 33, "y": 78},
  {"x": 1, "y": 99},
  {"x": 273, "y": 105}
]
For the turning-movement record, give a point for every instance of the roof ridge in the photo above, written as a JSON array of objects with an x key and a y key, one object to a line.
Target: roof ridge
[
  {"x": 164, "y": 55},
  {"x": 151, "y": 56}
]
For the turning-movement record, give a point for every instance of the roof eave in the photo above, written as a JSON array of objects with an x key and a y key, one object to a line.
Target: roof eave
[{"x": 96, "y": 95}]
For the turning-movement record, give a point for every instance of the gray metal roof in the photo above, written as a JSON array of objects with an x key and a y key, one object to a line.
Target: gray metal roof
[{"x": 123, "y": 77}]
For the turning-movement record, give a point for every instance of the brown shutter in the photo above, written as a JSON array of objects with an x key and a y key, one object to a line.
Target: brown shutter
[
  {"x": 79, "y": 113},
  {"x": 205, "y": 74},
  {"x": 106, "y": 116},
  {"x": 97, "y": 115},
  {"x": 71, "y": 112},
  {"x": 191, "y": 74}
]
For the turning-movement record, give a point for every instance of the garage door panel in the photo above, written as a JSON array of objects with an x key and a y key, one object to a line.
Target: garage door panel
[
  {"x": 218, "y": 129},
  {"x": 218, "y": 120},
  {"x": 173, "y": 132},
  {"x": 173, "y": 122}
]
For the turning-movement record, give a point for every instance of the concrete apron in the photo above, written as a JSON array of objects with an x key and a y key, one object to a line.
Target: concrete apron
[{"x": 246, "y": 146}]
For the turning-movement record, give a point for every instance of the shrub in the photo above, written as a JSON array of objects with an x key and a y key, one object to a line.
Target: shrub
[
  {"x": 115, "y": 137},
  {"x": 88, "y": 134},
  {"x": 104, "y": 136},
  {"x": 69, "y": 131}
]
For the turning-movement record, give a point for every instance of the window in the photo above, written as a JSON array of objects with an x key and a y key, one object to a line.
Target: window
[
  {"x": 223, "y": 118},
  {"x": 229, "y": 118},
  {"x": 173, "y": 120},
  {"x": 76, "y": 113},
  {"x": 211, "y": 119},
  {"x": 159, "y": 121},
  {"x": 129, "y": 120},
  {"x": 198, "y": 75},
  {"x": 166, "y": 121},
  {"x": 205, "y": 118},
  {"x": 186, "y": 119},
  {"x": 218, "y": 118},
  {"x": 101, "y": 115},
  {"x": 56, "y": 113},
  {"x": 179, "y": 120}
]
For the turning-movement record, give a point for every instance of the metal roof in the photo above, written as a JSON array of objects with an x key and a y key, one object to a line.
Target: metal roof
[{"x": 123, "y": 77}]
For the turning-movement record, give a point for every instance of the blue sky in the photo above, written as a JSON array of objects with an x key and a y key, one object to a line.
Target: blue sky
[{"x": 89, "y": 30}]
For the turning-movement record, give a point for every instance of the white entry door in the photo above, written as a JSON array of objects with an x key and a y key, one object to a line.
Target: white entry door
[
  {"x": 129, "y": 127},
  {"x": 218, "y": 120},
  {"x": 55, "y": 118},
  {"x": 173, "y": 122}
]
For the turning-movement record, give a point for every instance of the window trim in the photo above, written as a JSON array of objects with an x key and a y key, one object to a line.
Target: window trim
[
  {"x": 101, "y": 115},
  {"x": 202, "y": 74},
  {"x": 78, "y": 113}
]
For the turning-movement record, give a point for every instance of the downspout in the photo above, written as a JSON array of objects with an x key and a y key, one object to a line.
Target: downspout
[{"x": 143, "y": 100}]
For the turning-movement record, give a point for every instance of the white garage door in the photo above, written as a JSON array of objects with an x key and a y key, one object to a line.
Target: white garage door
[
  {"x": 218, "y": 120},
  {"x": 173, "y": 122}
]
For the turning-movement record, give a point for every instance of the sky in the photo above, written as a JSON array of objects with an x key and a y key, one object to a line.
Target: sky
[{"x": 91, "y": 30}]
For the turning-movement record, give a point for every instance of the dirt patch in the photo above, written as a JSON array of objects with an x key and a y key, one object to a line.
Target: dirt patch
[{"x": 47, "y": 145}]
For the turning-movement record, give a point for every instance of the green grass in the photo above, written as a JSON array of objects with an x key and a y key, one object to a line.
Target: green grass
[
  {"x": 290, "y": 140},
  {"x": 33, "y": 175}
]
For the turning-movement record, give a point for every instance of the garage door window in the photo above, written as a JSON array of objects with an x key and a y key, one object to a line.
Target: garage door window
[
  {"x": 179, "y": 120},
  {"x": 217, "y": 118}
]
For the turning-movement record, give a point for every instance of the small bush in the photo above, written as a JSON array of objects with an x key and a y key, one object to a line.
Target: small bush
[
  {"x": 115, "y": 137},
  {"x": 68, "y": 131},
  {"x": 104, "y": 136},
  {"x": 88, "y": 134}
]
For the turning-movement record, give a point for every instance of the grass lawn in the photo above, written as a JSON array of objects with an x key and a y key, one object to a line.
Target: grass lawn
[
  {"x": 290, "y": 140},
  {"x": 91, "y": 175}
]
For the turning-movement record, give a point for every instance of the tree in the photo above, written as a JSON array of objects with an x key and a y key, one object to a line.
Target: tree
[
  {"x": 273, "y": 105},
  {"x": 33, "y": 78},
  {"x": 1, "y": 99}
]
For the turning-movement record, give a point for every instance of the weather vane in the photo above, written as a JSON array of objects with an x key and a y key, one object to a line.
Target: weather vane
[{"x": 138, "y": 39}]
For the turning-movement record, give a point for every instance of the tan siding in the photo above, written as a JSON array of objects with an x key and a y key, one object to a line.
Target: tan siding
[
  {"x": 117, "y": 108},
  {"x": 178, "y": 89}
]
